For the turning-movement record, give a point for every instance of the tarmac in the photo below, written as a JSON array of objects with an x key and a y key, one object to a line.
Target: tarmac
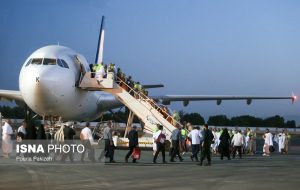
[{"x": 250, "y": 172}]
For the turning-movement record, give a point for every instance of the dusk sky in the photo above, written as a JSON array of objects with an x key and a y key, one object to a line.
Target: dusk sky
[{"x": 193, "y": 47}]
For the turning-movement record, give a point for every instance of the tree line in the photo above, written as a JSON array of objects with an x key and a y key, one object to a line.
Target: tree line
[
  {"x": 242, "y": 121},
  {"x": 194, "y": 118}
]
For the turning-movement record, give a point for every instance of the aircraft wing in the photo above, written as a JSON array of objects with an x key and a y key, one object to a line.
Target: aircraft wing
[
  {"x": 147, "y": 86},
  {"x": 167, "y": 99},
  {"x": 11, "y": 95}
]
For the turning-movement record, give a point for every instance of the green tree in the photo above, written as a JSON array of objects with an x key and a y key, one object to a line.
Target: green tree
[
  {"x": 218, "y": 120},
  {"x": 275, "y": 121},
  {"x": 246, "y": 121},
  {"x": 290, "y": 124},
  {"x": 193, "y": 118}
]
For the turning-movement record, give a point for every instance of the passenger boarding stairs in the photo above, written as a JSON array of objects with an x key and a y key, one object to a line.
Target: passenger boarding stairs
[{"x": 145, "y": 108}]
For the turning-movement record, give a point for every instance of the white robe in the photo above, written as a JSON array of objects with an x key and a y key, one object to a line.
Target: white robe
[
  {"x": 214, "y": 146},
  {"x": 6, "y": 139},
  {"x": 268, "y": 142},
  {"x": 269, "y": 139},
  {"x": 281, "y": 141},
  {"x": 247, "y": 140}
]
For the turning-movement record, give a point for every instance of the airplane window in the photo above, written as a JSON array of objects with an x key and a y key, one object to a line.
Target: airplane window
[
  {"x": 49, "y": 61},
  {"x": 29, "y": 61},
  {"x": 64, "y": 63},
  {"x": 37, "y": 61},
  {"x": 60, "y": 63}
]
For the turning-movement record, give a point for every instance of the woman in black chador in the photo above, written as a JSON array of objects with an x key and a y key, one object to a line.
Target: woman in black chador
[{"x": 224, "y": 144}]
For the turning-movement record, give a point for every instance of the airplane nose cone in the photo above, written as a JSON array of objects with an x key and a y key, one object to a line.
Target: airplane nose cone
[
  {"x": 44, "y": 91},
  {"x": 39, "y": 88}
]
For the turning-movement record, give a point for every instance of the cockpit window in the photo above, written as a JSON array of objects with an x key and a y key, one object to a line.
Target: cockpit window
[
  {"x": 28, "y": 62},
  {"x": 37, "y": 61},
  {"x": 49, "y": 61},
  {"x": 62, "y": 63}
]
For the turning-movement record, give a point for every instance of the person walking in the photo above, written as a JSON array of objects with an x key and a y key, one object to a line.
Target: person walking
[
  {"x": 175, "y": 137},
  {"x": 281, "y": 142},
  {"x": 109, "y": 144},
  {"x": 268, "y": 137},
  {"x": 206, "y": 144},
  {"x": 196, "y": 136},
  {"x": 159, "y": 140},
  {"x": 238, "y": 142},
  {"x": 7, "y": 144},
  {"x": 133, "y": 143},
  {"x": 69, "y": 134},
  {"x": 224, "y": 144},
  {"x": 22, "y": 128},
  {"x": 87, "y": 139}
]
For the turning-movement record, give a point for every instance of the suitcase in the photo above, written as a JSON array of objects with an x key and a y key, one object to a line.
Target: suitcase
[{"x": 136, "y": 154}]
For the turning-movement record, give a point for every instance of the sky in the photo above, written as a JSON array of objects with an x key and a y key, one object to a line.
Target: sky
[{"x": 193, "y": 47}]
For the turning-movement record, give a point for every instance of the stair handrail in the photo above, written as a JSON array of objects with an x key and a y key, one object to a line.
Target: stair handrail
[{"x": 146, "y": 98}]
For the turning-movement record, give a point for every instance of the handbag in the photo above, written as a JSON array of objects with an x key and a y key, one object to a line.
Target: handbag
[
  {"x": 136, "y": 154},
  {"x": 271, "y": 148}
]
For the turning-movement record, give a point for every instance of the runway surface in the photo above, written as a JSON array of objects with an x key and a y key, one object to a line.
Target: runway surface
[{"x": 252, "y": 172}]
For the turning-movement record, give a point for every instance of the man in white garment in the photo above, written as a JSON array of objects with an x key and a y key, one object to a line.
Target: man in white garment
[
  {"x": 196, "y": 137},
  {"x": 238, "y": 142},
  {"x": 86, "y": 138},
  {"x": 215, "y": 140},
  {"x": 22, "y": 128},
  {"x": 218, "y": 134},
  {"x": 281, "y": 142},
  {"x": 160, "y": 140},
  {"x": 268, "y": 137},
  {"x": 7, "y": 132}
]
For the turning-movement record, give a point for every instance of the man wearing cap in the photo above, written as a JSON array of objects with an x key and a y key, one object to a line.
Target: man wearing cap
[{"x": 133, "y": 142}]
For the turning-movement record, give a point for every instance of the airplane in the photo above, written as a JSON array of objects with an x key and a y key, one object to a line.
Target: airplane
[{"x": 48, "y": 84}]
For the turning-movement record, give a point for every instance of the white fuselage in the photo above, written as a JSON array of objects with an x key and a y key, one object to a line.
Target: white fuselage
[{"x": 50, "y": 89}]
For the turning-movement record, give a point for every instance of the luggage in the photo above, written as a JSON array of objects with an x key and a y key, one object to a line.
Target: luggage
[
  {"x": 271, "y": 148},
  {"x": 136, "y": 154}
]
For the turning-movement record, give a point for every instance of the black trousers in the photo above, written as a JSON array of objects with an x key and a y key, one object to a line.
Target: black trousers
[
  {"x": 195, "y": 151},
  {"x": 66, "y": 155},
  {"x": 109, "y": 150},
  {"x": 224, "y": 150},
  {"x": 237, "y": 148},
  {"x": 175, "y": 151},
  {"x": 160, "y": 147},
  {"x": 205, "y": 153},
  {"x": 130, "y": 153},
  {"x": 88, "y": 147}
]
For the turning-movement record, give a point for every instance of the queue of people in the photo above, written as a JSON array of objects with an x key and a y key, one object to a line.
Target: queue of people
[{"x": 187, "y": 139}]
